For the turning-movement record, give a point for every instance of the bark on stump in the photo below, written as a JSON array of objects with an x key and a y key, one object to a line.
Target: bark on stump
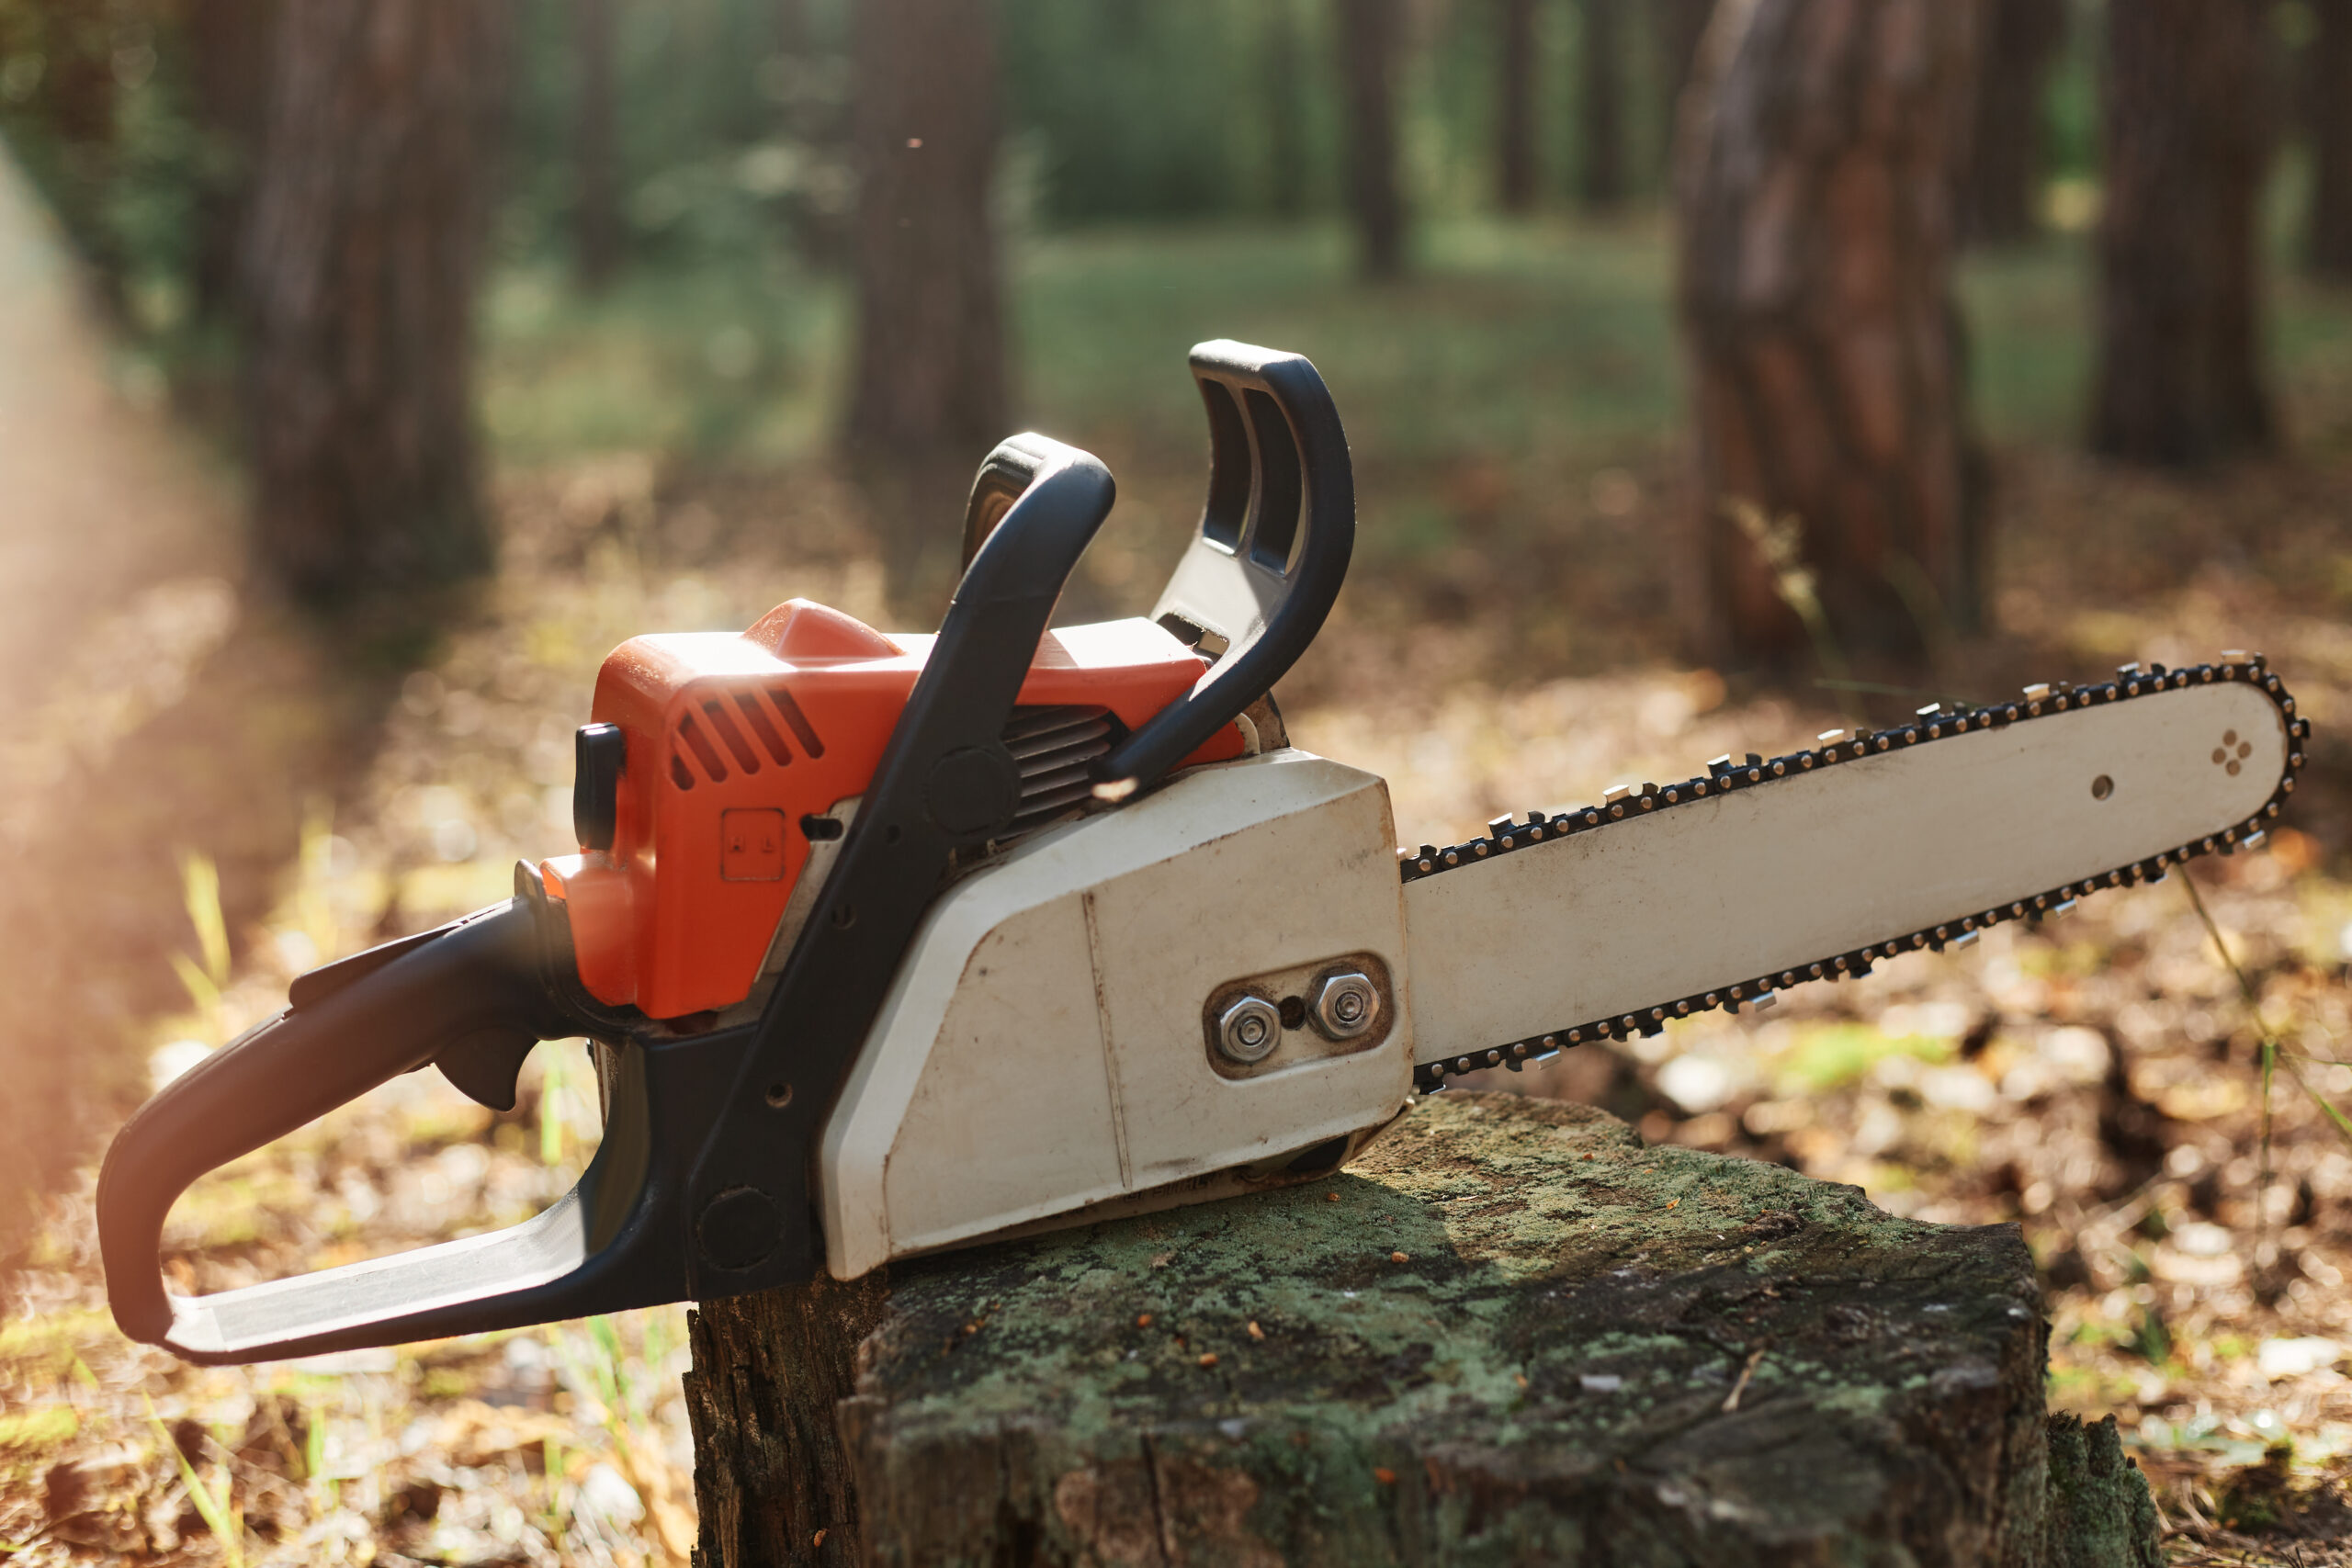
[{"x": 1510, "y": 1333}]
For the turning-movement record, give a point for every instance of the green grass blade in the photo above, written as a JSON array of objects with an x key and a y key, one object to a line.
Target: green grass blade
[
  {"x": 200, "y": 985},
  {"x": 214, "y": 1511},
  {"x": 314, "y": 1444},
  {"x": 2269, "y": 1062},
  {"x": 200, "y": 885},
  {"x": 2342, "y": 1123},
  {"x": 552, "y": 1085}
]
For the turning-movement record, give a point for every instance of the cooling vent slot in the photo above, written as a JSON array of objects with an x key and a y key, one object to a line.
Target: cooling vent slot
[
  {"x": 752, "y": 728},
  {"x": 740, "y": 731},
  {"x": 1052, "y": 746}
]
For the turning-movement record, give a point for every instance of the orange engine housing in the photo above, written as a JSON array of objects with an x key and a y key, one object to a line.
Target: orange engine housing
[{"x": 732, "y": 740}]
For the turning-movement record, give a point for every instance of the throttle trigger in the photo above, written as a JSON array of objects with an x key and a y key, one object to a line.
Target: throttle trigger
[{"x": 484, "y": 1064}]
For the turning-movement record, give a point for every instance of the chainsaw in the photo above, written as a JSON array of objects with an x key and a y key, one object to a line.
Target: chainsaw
[{"x": 886, "y": 944}]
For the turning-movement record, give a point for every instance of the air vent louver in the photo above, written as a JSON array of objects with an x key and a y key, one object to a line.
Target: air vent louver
[
  {"x": 1053, "y": 747},
  {"x": 748, "y": 722}
]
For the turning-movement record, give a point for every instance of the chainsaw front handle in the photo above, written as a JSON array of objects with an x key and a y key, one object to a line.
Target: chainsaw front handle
[
  {"x": 1269, "y": 555},
  {"x": 1266, "y": 560},
  {"x": 472, "y": 991}
]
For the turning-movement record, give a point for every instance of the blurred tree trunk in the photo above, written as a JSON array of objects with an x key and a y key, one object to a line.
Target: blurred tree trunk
[
  {"x": 2329, "y": 96},
  {"x": 1515, "y": 121},
  {"x": 80, "y": 72},
  {"x": 1370, "y": 34},
  {"x": 78, "y": 85},
  {"x": 815, "y": 121},
  {"x": 2179, "y": 380},
  {"x": 1285, "y": 126},
  {"x": 2000, "y": 196},
  {"x": 1600, "y": 106},
  {"x": 228, "y": 47},
  {"x": 1814, "y": 194},
  {"x": 1677, "y": 26},
  {"x": 357, "y": 283},
  {"x": 928, "y": 398},
  {"x": 598, "y": 234}
]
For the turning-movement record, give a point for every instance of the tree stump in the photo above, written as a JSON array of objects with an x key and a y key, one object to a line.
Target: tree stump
[{"x": 1508, "y": 1334}]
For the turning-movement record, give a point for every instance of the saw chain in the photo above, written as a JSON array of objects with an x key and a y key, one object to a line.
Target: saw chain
[{"x": 1625, "y": 805}]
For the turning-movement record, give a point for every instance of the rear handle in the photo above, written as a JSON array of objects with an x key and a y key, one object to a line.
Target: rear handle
[{"x": 472, "y": 996}]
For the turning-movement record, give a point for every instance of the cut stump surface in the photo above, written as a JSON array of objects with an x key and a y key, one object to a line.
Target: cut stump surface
[{"x": 1509, "y": 1333}]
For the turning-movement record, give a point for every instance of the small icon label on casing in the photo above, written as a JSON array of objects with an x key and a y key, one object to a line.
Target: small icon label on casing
[{"x": 751, "y": 845}]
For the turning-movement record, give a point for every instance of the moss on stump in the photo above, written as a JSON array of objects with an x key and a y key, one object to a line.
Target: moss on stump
[{"x": 1508, "y": 1334}]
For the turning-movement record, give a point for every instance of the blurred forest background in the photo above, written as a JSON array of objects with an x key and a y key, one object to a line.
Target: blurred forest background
[
  {"x": 1714, "y": 372},
  {"x": 380, "y": 256}
]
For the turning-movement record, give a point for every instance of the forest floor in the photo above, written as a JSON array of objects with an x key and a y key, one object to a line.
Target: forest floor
[{"x": 1504, "y": 646}]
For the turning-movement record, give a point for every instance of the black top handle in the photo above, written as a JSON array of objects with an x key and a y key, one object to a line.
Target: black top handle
[
  {"x": 1266, "y": 563},
  {"x": 946, "y": 783}
]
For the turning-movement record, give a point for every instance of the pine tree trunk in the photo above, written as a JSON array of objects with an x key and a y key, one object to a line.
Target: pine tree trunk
[
  {"x": 929, "y": 398},
  {"x": 1600, "y": 108},
  {"x": 2179, "y": 381},
  {"x": 792, "y": 31},
  {"x": 930, "y": 340},
  {"x": 2000, "y": 194},
  {"x": 77, "y": 88},
  {"x": 597, "y": 232},
  {"x": 1814, "y": 191},
  {"x": 80, "y": 72},
  {"x": 2330, "y": 99},
  {"x": 1370, "y": 35},
  {"x": 1286, "y": 125},
  {"x": 817, "y": 122},
  {"x": 1676, "y": 28},
  {"x": 356, "y": 284},
  {"x": 228, "y": 47},
  {"x": 1515, "y": 116}
]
